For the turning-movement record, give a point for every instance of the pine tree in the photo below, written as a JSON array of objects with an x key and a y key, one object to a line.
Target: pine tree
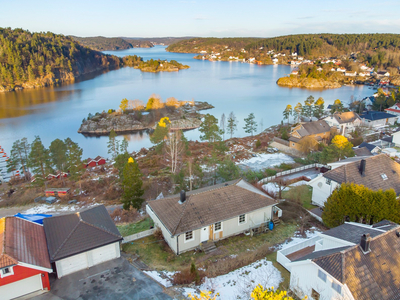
[
  {"x": 222, "y": 125},
  {"x": 319, "y": 108},
  {"x": 287, "y": 112},
  {"x": 132, "y": 186},
  {"x": 112, "y": 144},
  {"x": 250, "y": 125},
  {"x": 210, "y": 130},
  {"x": 232, "y": 124},
  {"x": 124, "y": 146},
  {"x": 39, "y": 161},
  {"x": 58, "y": 154},
  {"x": 74, "y": 159}
]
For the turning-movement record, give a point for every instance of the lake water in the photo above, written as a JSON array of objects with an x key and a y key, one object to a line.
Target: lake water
[{"x": 57, "y": 112}]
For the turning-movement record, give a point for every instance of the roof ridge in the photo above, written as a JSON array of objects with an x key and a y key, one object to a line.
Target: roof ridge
[
  {"x": 66, "y": 239},
  {"x": 87, "y": 223},
  {"x": 221, "y": 187}
]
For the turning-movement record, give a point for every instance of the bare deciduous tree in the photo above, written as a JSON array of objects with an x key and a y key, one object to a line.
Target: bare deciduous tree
[{"x": 173, "y": 148}]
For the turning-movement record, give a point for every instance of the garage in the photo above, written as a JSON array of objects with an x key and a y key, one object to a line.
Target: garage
[
  {"x": 87, "y": 259},
  {"x": 21, "y": 287},
  {"x": 81, "y": 240}
]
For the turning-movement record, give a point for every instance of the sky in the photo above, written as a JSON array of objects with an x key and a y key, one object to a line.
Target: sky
[{"x": 203, "y": 18}]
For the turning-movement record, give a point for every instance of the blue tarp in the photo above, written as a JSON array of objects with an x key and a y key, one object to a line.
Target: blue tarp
[{"x": 37, "y": 218}]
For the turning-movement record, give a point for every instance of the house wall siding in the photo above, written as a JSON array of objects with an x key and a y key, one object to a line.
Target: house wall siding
[
  {"x": 321, "y": 190},
  {"x": 24, "y": 272},
  {"x": 171, "y": 241},
  {"x": 304, "y": 278}
]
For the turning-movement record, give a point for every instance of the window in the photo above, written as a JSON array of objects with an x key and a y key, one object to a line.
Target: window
[
  {"x": 384, "y": 176},
  {"x": 314, "y": 294},
  {"x": 217, "y": 226},
  {"x": 7, "y": 272},
  {"x": 337, "y": 287},
  {"x": 189, "y": 236},
  {"x": 328, "y": 181},
  {"x": 322, "y": 275},
  {"x": 242, "y": 219}
]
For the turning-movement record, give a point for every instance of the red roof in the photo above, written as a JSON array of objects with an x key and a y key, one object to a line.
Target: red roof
[{"x": 22, "y": 241}]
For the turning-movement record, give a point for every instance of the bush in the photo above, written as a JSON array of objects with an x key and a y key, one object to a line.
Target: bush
[
  {"x": 189, "y": 275},
  {"x": 270, "y": 172},
  {"x": 285, "y": 167},
  {"x": 258, "y": 144},
  {"x": 124, "y": 216},
  {"x": 158, "y": 234}
]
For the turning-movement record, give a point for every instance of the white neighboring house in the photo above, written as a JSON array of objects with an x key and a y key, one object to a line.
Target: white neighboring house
[
  {"x": 375, "y": 172},
  {"x": 212, "y": 213},
  {"x": 81, "y": 240},
  {"x": 396, "y": 138},
  {"x": 345, "y": 122},
  {"x": 349, "y": 73},
  {"x": 351, "y": 262},
  {"x": 394, "y": 110},
  {"x": 377, "y": 119}
]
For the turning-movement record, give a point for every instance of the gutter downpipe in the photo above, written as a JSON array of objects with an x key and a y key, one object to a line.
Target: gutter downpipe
[{"x": 177, "y": 244}]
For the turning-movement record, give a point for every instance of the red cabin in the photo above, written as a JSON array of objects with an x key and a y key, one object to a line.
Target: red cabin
[
  {"x": 24, "y": 267},
  {"x": 98, "y": 161}
]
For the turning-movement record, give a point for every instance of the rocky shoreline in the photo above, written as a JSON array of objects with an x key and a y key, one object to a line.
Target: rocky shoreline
[
  {"x": 186, "y": 117},
  {"x": 308, "y": 83}
]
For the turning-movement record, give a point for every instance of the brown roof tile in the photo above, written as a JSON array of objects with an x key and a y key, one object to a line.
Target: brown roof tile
[
  {"x": 375, "y": 167},
  {"x": 209, "y": 205},
  {"x": 23, "y": 241},
  {"x": 346, "y": 117},
  {"x": 311, "y": 128},
  {"x": 75, "y": 233}
]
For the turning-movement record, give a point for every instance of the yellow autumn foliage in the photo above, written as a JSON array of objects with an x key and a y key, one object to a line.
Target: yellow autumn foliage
[
  {"x": 340, "y": 141},
  {"x": 130, "y": 160},
  {"x": 164, "y": 122},
  {"x": 204, "y": 295},
  {"x": 259, "y": 293}
]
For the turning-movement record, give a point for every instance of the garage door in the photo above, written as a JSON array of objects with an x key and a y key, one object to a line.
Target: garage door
[
  {"x": 104, "y": 253},
  {"x": 21, "y": 287},
  {"x": 71, "y": 264}
]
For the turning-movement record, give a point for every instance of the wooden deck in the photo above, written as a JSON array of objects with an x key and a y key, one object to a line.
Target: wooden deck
[{"x": 299, "y": 254}]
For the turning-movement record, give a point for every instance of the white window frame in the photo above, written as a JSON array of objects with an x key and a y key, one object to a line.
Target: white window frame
[
  {"x": 338, "y": 286},
  {"x": 189, "y": 240},
  {"x": 2, "y": 275},
  {"x": 218, "y": 230},
  {"x": 328, "y": 181},
  {"x": 245, "y": 219},
  {"x": 321, "y": 275}
]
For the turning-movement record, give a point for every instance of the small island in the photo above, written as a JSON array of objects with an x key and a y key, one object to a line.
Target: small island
[
  {"x": 134, "y": 116},
  {"x": 155, "y": 66}
]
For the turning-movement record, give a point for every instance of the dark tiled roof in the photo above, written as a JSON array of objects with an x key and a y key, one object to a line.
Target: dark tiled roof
[
  {"x": 362, "y": 152},
  {"x": 315, "y": 127},
  {"x": 369, "y": 146},
  {"x": 375, "y": 167},
  {"x": 209, "y": 205},
  {"x": 352, "y": 233},
  {"x": 22, "y": 241},
  {"x": 71, "y": 234},
  {"x": 346, "y": 117},
  {"x": 376, "y": 115}
]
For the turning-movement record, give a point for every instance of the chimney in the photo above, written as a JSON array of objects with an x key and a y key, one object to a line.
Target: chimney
[
  {"x": 365, "y": 242},
  {"x": 362, "y": 167},
  {"x": 183, "y": 196}
]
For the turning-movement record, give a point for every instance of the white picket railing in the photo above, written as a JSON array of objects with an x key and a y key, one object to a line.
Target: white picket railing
[{"x": 291, "y": 171}]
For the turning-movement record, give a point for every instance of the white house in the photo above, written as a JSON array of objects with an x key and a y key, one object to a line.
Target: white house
[
  {"x": 394, "y": 110},
  {"x": 377, "y": 119},
  {"x": 345, "y": 122},
  {"x": 396, "y": 138},
  {"x": 375, "y": 172},
  {"x": 349, "y": 73},
  {"x": 350, "y": 262},
  {"x": 191, "y": 219},
  {"x": 81, "y": 240}
]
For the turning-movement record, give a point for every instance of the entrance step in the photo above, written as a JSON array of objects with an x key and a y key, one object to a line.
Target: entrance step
[
  {"x": 276, "y": 221},
  {"x": 208, "y": 247}
]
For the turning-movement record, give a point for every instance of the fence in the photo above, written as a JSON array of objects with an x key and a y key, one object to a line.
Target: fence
[
  {"x": 137, "y": 236},
  {"x": 291, "y": 171},
  {"x": 281, "y": 254}
]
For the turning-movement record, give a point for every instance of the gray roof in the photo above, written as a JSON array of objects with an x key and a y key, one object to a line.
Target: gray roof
[
  {"x": 315, "y": 127},
  {"x": 72, "y": 234},
  {"x": 362, "y": 151},
  {"x": 318, "y": 254},
  {"x": 352, "y": 233},
  {"x": 369, "y": 146},
  {"x": 209, "y": 205},
  {"x": 376, "y": 115},
  {"x": 375, "y": 167}
]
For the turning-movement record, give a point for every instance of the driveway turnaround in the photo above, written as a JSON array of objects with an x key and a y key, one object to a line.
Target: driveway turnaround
[{"x": 113, "y": 280}]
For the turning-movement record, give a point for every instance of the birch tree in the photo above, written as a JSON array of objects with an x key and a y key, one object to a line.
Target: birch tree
[
  {"x": 174, "y": 147},
  {"x": 222, "y": 126}
]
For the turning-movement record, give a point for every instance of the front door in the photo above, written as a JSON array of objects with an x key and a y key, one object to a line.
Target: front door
[{"x": 204, "y": 234}]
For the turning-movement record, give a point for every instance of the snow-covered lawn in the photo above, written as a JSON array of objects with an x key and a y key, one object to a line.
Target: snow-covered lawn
[
  {"x": 312, "y": 232},
  {"x": 264, "y": 161},
  {"x": 238, "y": 284},
  {"x": 46, "y": 208},
  {"x": 273, "y": 187},
  {"x": 163, "y": 278}
]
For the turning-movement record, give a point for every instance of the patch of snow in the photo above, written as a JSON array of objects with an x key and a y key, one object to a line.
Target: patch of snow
[
  {"x": 312, "y": 232},
  {"x": 272, "y": 187},
  {"x": 264, "y": 161},
  {"x": 240, "y": 283},
  {"x": 46, "y": 208},
  {"x": 161, "y": 277},
  {"x": 301, "y": 182}
]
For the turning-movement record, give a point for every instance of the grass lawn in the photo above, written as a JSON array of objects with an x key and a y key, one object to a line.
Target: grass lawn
[
  {"x": 302, "y": 191},
  {"x": 157, "y": 255},
  {"x": 132, "y": 228},
  {"x": 284, "y": 285}
]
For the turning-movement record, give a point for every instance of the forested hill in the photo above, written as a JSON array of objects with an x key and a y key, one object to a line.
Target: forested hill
[
  {"x": 30, "y": 60},
  {"x": 101, "y": 43},
  {"x": 380, "y": 50}
]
